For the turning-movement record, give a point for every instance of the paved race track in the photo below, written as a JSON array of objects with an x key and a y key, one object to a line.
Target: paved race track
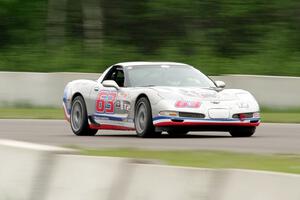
[{"x": 269, "y": 138}]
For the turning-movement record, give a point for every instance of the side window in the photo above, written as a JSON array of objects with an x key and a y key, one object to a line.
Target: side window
[
  {"x": 113, "y": 75},
  {"x": 120, "y": 78},
  {"x": 116, "y": 74}
]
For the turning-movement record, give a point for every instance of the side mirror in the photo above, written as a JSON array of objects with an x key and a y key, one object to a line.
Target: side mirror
[
  {"x": 220, "y": 84},
  {"x": 110, "y": 83}
]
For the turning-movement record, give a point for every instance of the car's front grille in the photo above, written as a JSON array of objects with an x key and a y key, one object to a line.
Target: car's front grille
[
  {"x": 243, "y": 115},
  {"x": 191, "y": 115}
]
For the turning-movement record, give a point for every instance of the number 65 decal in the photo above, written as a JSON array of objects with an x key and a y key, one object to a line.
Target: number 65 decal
[{"x": 105, "y": 102}]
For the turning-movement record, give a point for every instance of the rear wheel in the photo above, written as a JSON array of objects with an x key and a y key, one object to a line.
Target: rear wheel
[
  {"x": 242, "y": 131},
  {"x": 79, "y": 118},
  {"x": 143, "y": 119}
]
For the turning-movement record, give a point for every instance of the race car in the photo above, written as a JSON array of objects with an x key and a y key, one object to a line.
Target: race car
[{"x": 156, "y": 97}]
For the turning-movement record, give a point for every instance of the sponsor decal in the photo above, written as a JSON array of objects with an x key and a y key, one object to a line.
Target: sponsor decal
[
  {"x": 187, "y": 104},
  {"x": 123, "y": 95},
  {"x": 122, "y": 105},
  {"x": 105, "y": 102},
  {"x": 243, "y": 105},
  {"x": 118, "y": 105}
]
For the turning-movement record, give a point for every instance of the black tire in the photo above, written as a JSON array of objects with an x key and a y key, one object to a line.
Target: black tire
[
  {"x": 79, "y": 119},
  {"x": 178, "y": 133},
  {"x": 242, "y": 131},
  {"x": 143, "y": 119}
]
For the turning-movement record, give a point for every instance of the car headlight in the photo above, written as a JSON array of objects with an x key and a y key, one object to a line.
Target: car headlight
[
  {"x": 169, "y": 113},
  {"x": 256, "y": 115},
  {"x": 243, "y": 116}
]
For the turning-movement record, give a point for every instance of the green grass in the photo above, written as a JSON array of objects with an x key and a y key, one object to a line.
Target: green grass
[
  {"x": 31, "y": 113},
  {"x": 209, "y": 159},
  {"x": 281, "y": 117},
  {"x": 268, "y": 115},
  {"x": 288, "y": 115}
]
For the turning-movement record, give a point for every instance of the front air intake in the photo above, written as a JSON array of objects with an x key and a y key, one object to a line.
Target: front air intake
[
  {"x": 243, "y": 115},
  {"x": 191, "y": 115}
]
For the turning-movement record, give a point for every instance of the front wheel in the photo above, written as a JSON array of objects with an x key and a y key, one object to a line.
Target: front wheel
[
  {"x": 79, "y": 118},
  {"x": 143, "y": 119},
  {"x": 242, "y": 131}
]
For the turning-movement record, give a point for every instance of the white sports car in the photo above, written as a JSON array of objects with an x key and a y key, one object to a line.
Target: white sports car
[{"x": 152, "y": 97}]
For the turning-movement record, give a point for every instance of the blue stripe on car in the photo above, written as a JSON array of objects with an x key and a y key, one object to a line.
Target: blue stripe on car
[{"x": 109, "y": 117}]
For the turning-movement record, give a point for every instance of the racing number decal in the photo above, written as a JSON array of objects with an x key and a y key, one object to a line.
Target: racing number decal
[{"x": 105, "y": 102}]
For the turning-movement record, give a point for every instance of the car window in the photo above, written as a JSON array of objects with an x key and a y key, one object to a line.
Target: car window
[
  {"x": 167, "y": 75},
  {"x": 120, "y": 78},
  {"x": 117, "y": 75}
]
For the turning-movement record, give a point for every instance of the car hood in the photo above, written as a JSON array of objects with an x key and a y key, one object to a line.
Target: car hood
[{"x": 203, "y": 94}]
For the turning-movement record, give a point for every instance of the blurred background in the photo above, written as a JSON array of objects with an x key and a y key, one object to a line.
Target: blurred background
[{"x": 219, "y": 36}]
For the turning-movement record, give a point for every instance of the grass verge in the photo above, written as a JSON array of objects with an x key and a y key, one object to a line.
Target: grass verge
[
  {"x": 289, "y": 115},
  {"x": 31, "y": 113},
  {"x": 209, "y": 159},
  {"x": 268, "y": 115},
  {"x": 281, "y": 117}
]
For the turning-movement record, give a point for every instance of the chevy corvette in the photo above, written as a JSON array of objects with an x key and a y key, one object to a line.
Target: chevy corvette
[{"x": 153, "y": 97}]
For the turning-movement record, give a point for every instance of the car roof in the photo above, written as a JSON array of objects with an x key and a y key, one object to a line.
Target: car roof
[{"x": 140, "y": 63}]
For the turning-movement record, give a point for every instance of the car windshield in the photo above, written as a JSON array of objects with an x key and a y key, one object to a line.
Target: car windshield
[{"x": 167, "y": 75}]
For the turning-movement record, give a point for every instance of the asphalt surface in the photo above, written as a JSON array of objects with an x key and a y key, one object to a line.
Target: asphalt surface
[{"x": 269, "y": 138}]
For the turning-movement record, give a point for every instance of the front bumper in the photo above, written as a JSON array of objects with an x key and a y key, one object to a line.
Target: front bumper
[{"x": 164, "y": 121}]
